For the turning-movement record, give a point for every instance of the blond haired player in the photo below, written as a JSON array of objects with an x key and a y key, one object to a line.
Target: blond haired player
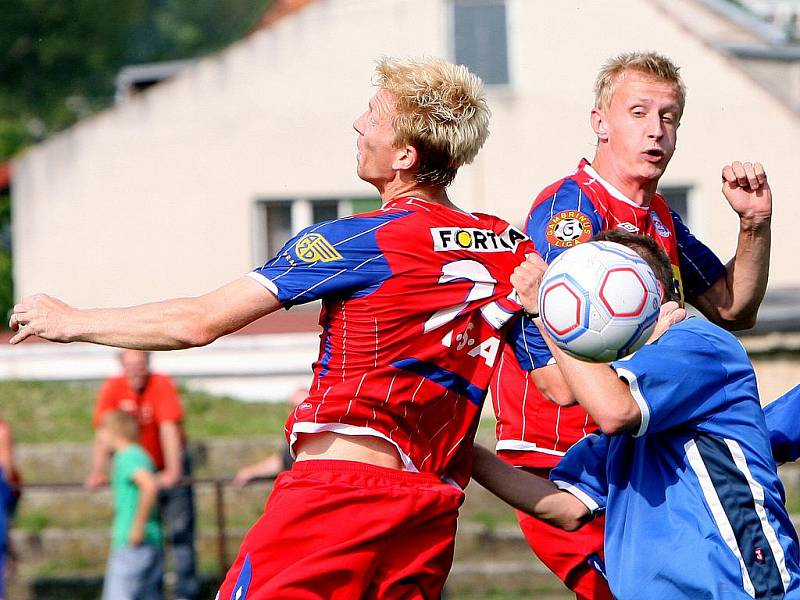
[
  {"x": 416, "y": 308},
  {"x": 639, "y": 102}
]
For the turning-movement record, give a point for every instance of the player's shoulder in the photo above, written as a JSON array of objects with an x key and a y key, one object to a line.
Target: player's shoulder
[
  {"x": 700, "y": 334},
  {"x": 161, "y": 379},
  {"x": 114, "y": 383},
  {"x": 136, "y": 456},
  {"x": 570, "y": 190}
]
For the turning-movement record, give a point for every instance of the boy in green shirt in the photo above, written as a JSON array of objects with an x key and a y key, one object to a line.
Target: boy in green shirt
[{"x": 136, "y": 564}]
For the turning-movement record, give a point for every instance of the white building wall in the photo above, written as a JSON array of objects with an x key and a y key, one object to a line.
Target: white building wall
[{"x": 155, "y": 197}]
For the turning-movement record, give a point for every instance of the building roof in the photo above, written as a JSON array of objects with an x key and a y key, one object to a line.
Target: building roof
[
  {"x": 278, "y": 10},
  {"x": 5, "y": 175}
]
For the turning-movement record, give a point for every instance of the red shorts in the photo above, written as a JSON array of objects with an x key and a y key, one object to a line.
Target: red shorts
[
  {"x": 574, "y": 556},
  {"x": 340, "y": 530}
]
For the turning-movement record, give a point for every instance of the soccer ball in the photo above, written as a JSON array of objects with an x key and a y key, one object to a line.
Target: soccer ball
[{"x": 599, "y": 301}]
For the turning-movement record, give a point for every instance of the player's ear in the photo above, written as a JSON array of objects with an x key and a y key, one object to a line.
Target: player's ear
[
  {"x": 598, "y": 122},
  {"x": 406, "y": 158},
  {"x": 662, "y": 291}
]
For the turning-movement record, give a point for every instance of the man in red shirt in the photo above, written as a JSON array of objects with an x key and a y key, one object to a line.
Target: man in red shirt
[
  {"x": 154, "y": 400},
  {"x": 638, "y": 106}
]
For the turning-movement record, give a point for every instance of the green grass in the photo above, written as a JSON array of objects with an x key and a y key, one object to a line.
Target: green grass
[
  {"x": 33, "y": 521},
  {"x": 41, "y": 412},
  {"x": 492, "y": 519}
]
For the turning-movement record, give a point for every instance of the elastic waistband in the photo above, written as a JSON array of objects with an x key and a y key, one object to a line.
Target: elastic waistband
[{"x": 352, "y": 466}]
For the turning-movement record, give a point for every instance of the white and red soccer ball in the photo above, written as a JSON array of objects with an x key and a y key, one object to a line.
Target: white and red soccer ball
[{"x": 599, "y": 301}]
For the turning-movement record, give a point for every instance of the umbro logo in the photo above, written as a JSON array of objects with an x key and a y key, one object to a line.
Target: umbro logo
[{"x": 629, "y": 227}]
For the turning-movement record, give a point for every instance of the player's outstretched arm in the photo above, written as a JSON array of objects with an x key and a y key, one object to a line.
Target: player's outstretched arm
[
  {"x": 733, "y": 300},
  {"x": 528, "y": 493},
  {"x": 168, "y": 325}
]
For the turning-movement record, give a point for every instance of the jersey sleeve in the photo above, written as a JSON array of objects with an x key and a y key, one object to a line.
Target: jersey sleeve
[
  {"x": 168, "y": 405},
  {"x": 334, "y": 258},
  {"x": 562, "y": 217},
  {"x": 529, "y": 346},
  {"x": 582, "y": 472},
  {"x": 674, "y": 381},
  {"x": 700, "y": 267},
  {"x": 135, "y": 461},
  {"x": 783, "y": 425}
]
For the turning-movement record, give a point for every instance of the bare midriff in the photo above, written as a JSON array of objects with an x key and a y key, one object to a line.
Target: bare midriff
[{"x": 327, "y": 445}]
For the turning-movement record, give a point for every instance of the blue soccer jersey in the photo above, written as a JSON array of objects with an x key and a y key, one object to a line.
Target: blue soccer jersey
[
  {"x": 694, "y": 507},
  {"x": 783, "y": 423}
]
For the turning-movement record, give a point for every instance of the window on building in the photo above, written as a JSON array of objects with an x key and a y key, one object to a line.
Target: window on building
[
  {"x": 276, "y": 221},
  {"x": 678, "y": 199},
  {"x": 480, "y": 39}
]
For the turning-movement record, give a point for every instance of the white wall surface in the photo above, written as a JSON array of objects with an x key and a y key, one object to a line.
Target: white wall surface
[{"x": 155, "y": 197}]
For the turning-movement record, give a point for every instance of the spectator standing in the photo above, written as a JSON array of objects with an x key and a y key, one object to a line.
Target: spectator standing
[
  {"x": 9, "y": 495},
  {"x": 135, "y": 568},
  {"x": 154, "y": 400}
]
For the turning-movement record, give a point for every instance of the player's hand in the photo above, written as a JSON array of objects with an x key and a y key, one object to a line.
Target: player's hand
[
  {"x": 243, "y": 477},
  {"x": 95, "y": 479},
  {"x": 40, "y": 315},
  {"x": 526, "y": 279},
  {"x": 669, "y": 314},
  {"x": 167, "y": 480},
  {"x": 746, "y": 189},
  {"x": 136, "y": 536}
]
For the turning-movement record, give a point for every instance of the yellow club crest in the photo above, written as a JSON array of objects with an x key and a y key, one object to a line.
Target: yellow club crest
[{"x": 315, "y": 248}]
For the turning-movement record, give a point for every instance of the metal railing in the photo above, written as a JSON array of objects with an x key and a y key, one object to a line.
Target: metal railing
[{"x": 219, "y": 484}]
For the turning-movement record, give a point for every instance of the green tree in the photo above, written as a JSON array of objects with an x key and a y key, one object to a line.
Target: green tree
[{"x": 60, "y": 59}]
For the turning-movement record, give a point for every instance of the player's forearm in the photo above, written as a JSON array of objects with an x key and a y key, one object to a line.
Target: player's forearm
[
  {"x": 550, "y": 382},
  {"x": 171, "y": 444},
  {"x": 148, "y": 492},
  {"x": 100, "y": 456},
  {"x": 746, "y": 276},
  {"x": 6, "y": 451},
  {"x": 528, "y": 493},
  {"x": 598, "y": 390},
  {"x": 167, "y": 325}
]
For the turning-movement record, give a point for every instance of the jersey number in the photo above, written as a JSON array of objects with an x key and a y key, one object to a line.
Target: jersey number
[{"x": 483, "y": 285}]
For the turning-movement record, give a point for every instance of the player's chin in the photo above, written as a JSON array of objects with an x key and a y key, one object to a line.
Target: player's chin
[{"x": 652, "y": 171}]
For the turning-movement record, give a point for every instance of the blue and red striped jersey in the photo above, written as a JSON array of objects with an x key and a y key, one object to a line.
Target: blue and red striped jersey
[
  {"x": 531, "y": 430},
  {"x": 416, "y": 309}
]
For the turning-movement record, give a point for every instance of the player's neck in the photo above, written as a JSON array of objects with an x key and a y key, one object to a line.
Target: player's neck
[
  {"x": 637, "y": 190},
  {"x": 404, "y": 188}
]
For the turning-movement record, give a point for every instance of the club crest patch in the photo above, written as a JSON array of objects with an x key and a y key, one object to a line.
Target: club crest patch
[
  {"x": 659, "y": 226},
  {"x": 568, "y": 228},
  {"x": 313, "y": 247}
]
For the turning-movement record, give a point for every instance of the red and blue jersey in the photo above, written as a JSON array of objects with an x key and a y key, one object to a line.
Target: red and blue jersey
[
  {"x": 416, "y": 309},
  {"x": 531, "y": 430}
]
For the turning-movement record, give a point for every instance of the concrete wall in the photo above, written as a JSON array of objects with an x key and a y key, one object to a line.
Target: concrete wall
[{"x": 156, "y": 197}]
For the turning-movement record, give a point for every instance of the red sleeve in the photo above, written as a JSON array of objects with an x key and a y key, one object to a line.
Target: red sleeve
[
  {"x": 168, "y": 405},
  {"x": 106, "y": 401}
]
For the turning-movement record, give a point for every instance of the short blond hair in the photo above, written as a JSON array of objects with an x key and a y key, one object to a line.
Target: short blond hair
[
  {"x": 123, "y": 424},
  {"x": 650, "y": 64},
  {"x": 442, "y": 112}
]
